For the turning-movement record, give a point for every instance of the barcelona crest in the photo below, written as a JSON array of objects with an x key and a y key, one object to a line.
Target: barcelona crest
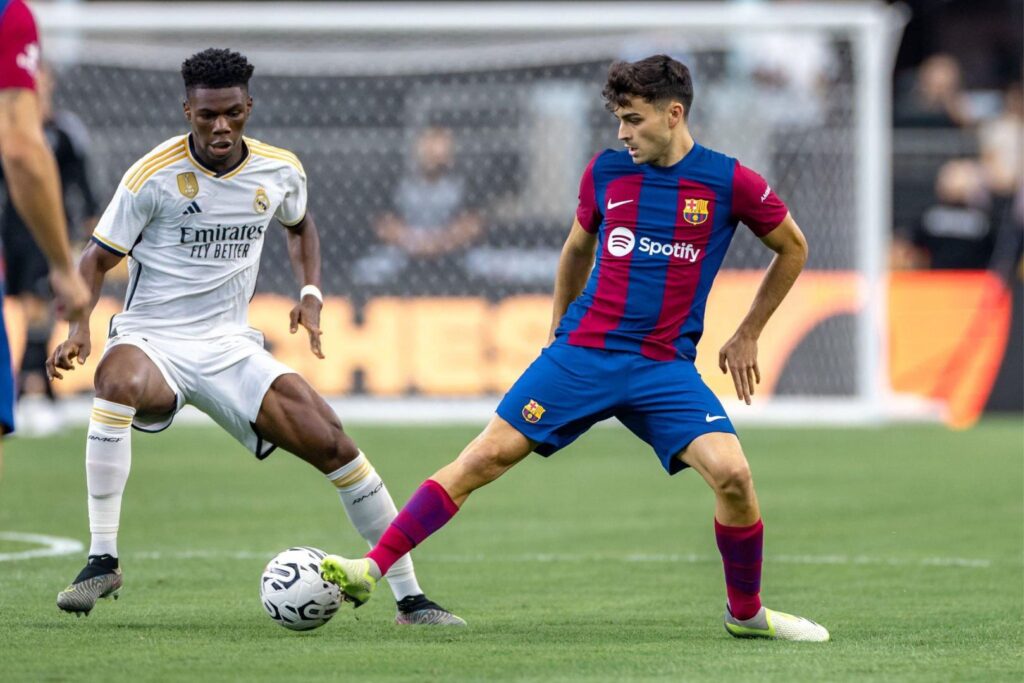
[
  {"x": 188, "y": 185},
  {"x": 532, "y": 412},
  {"x": 695, "y": 211},
  {"x": 262, "y": 201}
]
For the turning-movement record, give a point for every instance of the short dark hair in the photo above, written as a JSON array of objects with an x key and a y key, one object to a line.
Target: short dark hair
[
  {"x": 656, "y": 79},
  {"x": 216, "y": 68}
]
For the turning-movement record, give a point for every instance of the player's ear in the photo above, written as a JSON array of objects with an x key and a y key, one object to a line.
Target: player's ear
[
  {"x": 187, "y": 110},
  {"x": 676, "y": 114},
  {"x": 248, "y": 105}
]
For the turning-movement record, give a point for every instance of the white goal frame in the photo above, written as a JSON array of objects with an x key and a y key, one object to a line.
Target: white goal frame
[{"x": 874, "y": 30}]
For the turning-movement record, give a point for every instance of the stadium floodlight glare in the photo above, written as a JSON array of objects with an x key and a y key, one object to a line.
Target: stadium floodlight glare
[{"x": 801, "y": 92}]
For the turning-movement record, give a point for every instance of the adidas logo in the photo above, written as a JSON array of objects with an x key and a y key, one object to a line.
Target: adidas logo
[{"x": 192, "y": 208}]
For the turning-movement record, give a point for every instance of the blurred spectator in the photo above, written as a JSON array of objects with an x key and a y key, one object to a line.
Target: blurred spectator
[
  {"x": 1002, "y": 144},
  {"x": 791, "y": 94},
  {"x": 1008, "y": 252},
  {"x": 26, "y": 268},
  {"x": 936, "y": 98},
  {"x": 795, "y": 89},
  {"x": 431, "y": 223},
  {"x": 958, "y": 230}
]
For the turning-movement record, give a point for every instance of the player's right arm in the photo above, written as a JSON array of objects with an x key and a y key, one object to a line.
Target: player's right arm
[
  {"x": 579, "y": 249},
  {"x": 28, "y": 163},
  {"x": 92, "y": 267},
  {"x": 129, "y": 212},
  {"x": 573, "y": 270}
]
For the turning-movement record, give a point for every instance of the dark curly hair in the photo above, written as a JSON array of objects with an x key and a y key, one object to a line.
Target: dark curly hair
[
  {"x": 656, "y": 79},
  {"x": 216, "y": 68}
]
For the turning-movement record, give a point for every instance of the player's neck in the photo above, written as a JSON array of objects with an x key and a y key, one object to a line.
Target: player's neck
[{"x": 676, "y": 150}]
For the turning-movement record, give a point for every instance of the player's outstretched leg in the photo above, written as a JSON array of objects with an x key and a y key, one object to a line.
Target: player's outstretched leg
[
  {"x": 370, "y": 508},
  {"x": 739, "y": 532},
  {"x": 294, "y": 417},
  {"x": 434, "y": 503},
  {"x": 428, "y": 510}
]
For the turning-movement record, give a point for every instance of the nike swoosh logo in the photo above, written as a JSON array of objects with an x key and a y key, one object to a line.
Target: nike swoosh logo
[
  {"x": 612, "y": 205},
  {"x": 711, "y": 418}
]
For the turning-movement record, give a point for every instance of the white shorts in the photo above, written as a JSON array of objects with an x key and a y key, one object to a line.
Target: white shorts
[{"x": 226, "y": 378}]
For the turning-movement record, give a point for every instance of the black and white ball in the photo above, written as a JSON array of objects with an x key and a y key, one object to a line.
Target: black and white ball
[{"x": 294, "y": 594}]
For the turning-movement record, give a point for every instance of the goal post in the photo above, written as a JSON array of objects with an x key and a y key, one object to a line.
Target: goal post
[{"x": 801, "y": 92}]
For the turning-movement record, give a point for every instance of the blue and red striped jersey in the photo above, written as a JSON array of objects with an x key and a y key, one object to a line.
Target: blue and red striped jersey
[{"x": 662, "y": 235}]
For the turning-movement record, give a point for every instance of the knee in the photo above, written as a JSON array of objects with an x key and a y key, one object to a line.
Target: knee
[
  {"x": 481, "y": 461},
  {"x": 733, "y": 481},
  {"x": 126, "y": 389}
]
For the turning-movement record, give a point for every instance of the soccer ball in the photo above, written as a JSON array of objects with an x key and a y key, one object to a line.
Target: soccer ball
[{"x": 294, "y": 594}]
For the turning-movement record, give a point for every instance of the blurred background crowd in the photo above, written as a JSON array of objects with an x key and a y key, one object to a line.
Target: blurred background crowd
[{"x": 958, "y": 156}]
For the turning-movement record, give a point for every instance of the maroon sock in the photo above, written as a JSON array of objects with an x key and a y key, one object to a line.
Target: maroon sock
[
  {"x": 741, "y": 548},
  {"x": 428, "y": 510}
]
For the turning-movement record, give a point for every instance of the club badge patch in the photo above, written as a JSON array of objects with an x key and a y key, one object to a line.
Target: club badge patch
[
  {"x": 695, "y": 211},
  {"x": 188, "y": 185},
  {"x": 262, "y": 201},
  {"x": 532, "y": 412}
]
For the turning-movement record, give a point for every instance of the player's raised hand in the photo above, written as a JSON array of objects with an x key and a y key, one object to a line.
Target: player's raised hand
[
  {"x": 739, "y": 357},
  {"x": 78, "y": 345},
  {"x": 307, "y": 314}
]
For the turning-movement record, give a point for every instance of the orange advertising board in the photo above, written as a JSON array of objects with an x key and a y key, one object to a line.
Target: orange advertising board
[{"x": 947, "y": 335}]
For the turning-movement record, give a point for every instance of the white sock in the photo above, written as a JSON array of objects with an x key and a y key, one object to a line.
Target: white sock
[
  {"x": 370, "y": 509},
  {"x": 108, "y": 458}
]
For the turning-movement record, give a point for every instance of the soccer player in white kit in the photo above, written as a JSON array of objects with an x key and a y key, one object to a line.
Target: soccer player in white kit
[{"x": 191, "y": 216}]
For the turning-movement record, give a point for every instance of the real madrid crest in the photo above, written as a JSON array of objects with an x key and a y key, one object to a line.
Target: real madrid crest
[
  {"x": 188, "y": 185},
  {"x": 262, "y": 201}
]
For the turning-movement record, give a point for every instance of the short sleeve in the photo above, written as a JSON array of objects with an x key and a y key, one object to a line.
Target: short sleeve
[
  {"x": 19, "y": 47},
  {"x": 293, "y": 207},
  {"x": 124, "y": 219},
  {"x": 754, "y": 202},
  {"x": 588, "y": 212}
]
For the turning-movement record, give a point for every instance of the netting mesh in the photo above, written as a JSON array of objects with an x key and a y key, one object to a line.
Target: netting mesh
[{"x": 448, "y": 164}]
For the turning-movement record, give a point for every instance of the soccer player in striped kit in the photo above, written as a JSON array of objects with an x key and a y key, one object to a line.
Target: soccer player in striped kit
[{"x": 659, "y": 217}]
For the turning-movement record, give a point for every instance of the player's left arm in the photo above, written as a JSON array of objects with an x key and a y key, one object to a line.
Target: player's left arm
[
  {"x": 739, "y": 355},
  {"x": 304, "y": 253}
]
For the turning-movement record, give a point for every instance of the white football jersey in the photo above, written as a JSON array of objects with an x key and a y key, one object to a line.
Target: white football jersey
[{"x": 194, "y": 237}]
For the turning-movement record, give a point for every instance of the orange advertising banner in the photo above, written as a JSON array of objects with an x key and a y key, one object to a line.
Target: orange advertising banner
[{"x": 947, "y": 336}]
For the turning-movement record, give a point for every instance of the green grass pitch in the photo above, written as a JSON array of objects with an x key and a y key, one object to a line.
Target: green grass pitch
[{"x": 906, "y": 541}]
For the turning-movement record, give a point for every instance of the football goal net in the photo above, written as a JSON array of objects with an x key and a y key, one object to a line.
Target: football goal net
[{"x": 444, "y": 143}]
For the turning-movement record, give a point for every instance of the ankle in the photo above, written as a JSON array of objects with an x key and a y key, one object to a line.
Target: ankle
[{"x": 374, "y": 570}]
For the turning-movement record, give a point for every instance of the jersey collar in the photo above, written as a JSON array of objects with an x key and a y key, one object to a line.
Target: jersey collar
[
  {"x": 679, "y": 165},
  {"x": 222, "y": 175}
]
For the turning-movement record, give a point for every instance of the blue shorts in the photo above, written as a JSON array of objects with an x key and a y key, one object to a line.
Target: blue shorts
[
  {"x": 569, "y": 388},
  {"x": 6, "y": 378}
]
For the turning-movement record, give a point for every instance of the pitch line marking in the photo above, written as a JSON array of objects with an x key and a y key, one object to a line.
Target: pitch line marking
[
  {"x": 53, "y": 546},
  {"x": 669, "y": 558}
]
